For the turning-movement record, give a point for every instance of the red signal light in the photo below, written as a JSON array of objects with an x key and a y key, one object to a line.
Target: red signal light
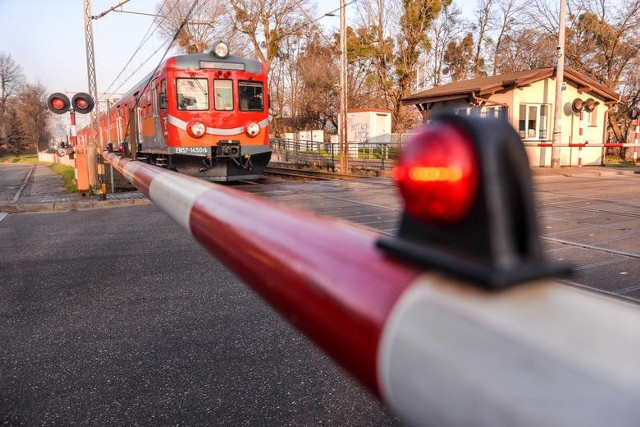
[
  {"x": 438, "y": 174},
  {"x": 58, "y": 103},
  {"x": 82, "y": 103}
]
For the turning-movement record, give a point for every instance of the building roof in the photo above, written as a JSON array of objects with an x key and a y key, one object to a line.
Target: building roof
[{"x": 484, "y": 87}]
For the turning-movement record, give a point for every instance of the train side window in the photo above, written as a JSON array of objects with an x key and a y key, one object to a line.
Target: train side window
[
  {"x": 163, "y": 95},
  {"x": 223, "y": 91},
  {"x": 192, "y": 94},
  {"x": 251, "y": 96}
]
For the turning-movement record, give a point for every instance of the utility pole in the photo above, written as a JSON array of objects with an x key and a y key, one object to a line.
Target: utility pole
[
  {"x": 96, "y": 135},
  {"x": 557, "y": 117},
  {"x": 91, "y": 67},
  {"x": 342, "y": 122}
]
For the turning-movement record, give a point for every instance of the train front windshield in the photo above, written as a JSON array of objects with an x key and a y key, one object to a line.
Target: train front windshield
[{"x": 193, "y": 94}]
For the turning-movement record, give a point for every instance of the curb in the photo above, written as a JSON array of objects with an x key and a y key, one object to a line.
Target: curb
[{"x": 70, "y": 205}]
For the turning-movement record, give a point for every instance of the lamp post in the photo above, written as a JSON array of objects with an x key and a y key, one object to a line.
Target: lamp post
[
  {"x": 342, "y": 125},
  {"x": 342, "y": 115}
]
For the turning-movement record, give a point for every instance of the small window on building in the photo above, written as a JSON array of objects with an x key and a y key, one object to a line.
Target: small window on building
[
  {"x": 533, "y": 121},
  {"x": 593, "y": 117},
  {"x": 251, "y": 96},
  {"x": 495, "y": 111},
  {"x": 193, "y": 94},
  {"x": 223, "y": 92}
]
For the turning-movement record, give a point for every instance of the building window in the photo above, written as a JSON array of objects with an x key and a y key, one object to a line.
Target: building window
[
  {"x": 533, "y": 121},
  {"x": 593, "y": 117},
  {"x": 495, "y": 111}
]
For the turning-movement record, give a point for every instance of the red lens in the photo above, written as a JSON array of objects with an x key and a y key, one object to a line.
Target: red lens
[
  {"x": 82, "y": 104},
  {"x": 437, "y": 174},
  {"x": 57, "y": 103}
]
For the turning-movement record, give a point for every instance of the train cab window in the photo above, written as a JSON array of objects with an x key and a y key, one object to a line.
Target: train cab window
[
  {"x": 163, "y": 95},
  {"x": 223, "y": 91},
  {"x": 193, "y": 94},
  {"x": 251, "y": 96}
]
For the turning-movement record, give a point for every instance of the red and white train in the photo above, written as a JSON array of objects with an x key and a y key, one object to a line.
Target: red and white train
[{"x": 204, "y": 115}]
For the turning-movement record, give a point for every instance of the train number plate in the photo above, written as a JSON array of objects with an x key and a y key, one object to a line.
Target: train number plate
[{"x": 192, "y": 151}]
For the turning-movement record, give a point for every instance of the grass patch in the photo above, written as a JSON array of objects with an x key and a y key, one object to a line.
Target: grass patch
[
  {"x": 22, "y": 158},
  {"x": 68, "y": 174},
  {"x": 617, "y": 161}
]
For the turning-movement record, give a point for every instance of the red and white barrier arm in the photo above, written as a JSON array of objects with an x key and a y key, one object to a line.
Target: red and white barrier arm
[{"x": 438, "y": 351}]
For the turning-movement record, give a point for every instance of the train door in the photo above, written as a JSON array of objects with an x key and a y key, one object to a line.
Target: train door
[
  {"x": 157, "y": 122},
  {"x": 133, "y": 129}
]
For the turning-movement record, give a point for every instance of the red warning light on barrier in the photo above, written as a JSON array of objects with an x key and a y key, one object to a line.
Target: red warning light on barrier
[
  {"x": 58, "y": 103},
  {"x": 469, "y": 206},
  {"x": 437, "y": 174}
]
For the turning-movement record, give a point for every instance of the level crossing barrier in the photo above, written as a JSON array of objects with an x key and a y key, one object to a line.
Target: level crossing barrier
[{"x": 471, "y": 344}]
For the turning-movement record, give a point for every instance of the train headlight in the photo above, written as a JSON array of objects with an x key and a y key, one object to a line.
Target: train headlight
[
  {"x": 220, "y": 50},
  {"x": 253, "y": 129},
  {"x": 196, "y": 129}
]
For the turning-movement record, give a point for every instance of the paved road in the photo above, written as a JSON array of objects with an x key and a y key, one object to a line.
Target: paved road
[
  {"x": 587, "y": 219},
  {"x": 115, "y": 317},
  {"x": 12, "y": 177},
  {"x": 97, "y": 330}
]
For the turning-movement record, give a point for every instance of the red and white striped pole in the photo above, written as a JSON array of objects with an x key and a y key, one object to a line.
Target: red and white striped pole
[
  {"x": 580, "y": 134},
  {"x": 438, "y": 351},
  {"x": 636, "y": 142}
]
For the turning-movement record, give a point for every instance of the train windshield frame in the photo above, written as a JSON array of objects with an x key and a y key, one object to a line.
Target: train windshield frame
[{"x": 192, "y": 94}]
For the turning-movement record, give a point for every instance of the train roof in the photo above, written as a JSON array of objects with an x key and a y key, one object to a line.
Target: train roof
[{"x": 196, "y": 61}]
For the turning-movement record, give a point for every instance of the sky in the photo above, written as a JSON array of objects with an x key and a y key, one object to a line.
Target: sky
[{"x": 46, "y": 38}]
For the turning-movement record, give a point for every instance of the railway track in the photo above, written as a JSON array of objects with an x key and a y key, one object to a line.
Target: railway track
[{"x": 309, "y": 174}]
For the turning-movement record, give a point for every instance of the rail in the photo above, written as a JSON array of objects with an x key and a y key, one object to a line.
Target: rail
[{"x": 436, "y": 350}]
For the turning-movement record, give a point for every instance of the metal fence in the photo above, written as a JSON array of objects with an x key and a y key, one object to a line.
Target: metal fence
[{"x": 363, "y": 156}]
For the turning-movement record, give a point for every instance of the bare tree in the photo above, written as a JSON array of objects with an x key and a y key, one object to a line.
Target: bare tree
[
  {"x": 31, "y": 108},
  {"x": 484, "y": 23},
  {"x": 204, "y": 27},
  {"x": 267, "y": 23},
  {"x": 11, "y": 80},
  {"x": 507, "y": 22},
  {"x": 446, "y": 27}
]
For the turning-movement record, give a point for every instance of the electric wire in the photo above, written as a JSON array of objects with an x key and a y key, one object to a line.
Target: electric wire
[
  {"x": 145, "y": 39},
  {"x": 152, "y": 74}
]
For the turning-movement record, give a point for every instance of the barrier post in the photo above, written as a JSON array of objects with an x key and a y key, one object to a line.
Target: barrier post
[{"x": 636, "y": 142}]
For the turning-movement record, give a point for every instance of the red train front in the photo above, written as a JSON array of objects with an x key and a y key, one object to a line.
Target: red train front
[{"x": 204, "y": 115}]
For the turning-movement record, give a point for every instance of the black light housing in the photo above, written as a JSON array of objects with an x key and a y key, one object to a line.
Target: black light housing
[
  {"x": 58, "y": 103},
  {"x": 495, "y": 241},
  {"x": 82, "y": 103}
]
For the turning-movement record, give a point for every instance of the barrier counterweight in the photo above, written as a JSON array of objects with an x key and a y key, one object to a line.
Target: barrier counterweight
[{"x": 438, "y": 351}]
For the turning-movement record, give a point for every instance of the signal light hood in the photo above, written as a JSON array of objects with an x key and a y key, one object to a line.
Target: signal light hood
[{"x": 488, "y": 232}]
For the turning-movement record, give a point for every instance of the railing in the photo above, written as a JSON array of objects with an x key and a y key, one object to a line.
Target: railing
[
  {"x": 576, "y": 150},
  {"x": 325, "y": 155},
  {"x": 438, "y": 351},
  {"x": 381, "y": 156}
]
